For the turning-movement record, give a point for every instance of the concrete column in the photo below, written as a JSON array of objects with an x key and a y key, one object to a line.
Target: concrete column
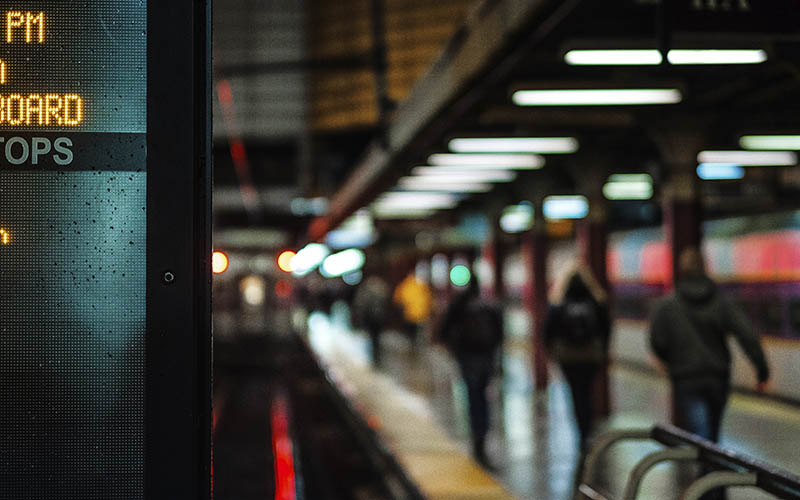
[{"x": 534, "y": 248}]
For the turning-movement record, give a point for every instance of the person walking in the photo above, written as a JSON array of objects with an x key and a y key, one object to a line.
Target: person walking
[
  {"x": 688, "y": 333},
  {"x": 576, "y": 334},
  {"x": 472, "y": 330},
  {"x": 371, "y": 305}
]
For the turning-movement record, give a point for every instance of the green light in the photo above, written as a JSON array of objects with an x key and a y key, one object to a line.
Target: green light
[{"x": 460, "y": 275}]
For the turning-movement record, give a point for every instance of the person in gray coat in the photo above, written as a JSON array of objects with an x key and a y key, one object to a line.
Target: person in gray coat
[{"x": 688, "y": 333}]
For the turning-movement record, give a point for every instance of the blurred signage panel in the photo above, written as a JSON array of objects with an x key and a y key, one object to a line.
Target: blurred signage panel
[
  {"x": 73, "y": 236},
  {"x": 735, "y": 16}
]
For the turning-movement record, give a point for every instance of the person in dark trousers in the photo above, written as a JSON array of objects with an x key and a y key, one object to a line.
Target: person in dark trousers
[
  {"x": 472, "y": 329},
  {"x": 371, "y": 305},
  {"x": 576, "y": 335},
  {"x": 688, "y": 333}
]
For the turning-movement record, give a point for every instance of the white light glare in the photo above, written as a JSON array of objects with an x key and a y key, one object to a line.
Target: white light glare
[
  {"x": 517, "y": 218},
  {"x": 487, "y": 161},
  {"x": 628, "y": 187},
  {"x": 565, "y": 207},
  {"x": 309, "y": 257},
  {"x": 719, "y": 171},
  {"x": 596, "y": 97},
  {"x": 716, "y": 56},
  {"x": 770, "y": 142},
  {"x": 417, "y": 200},
  {"x": 652, "y": 57},
  {"x": 749, "y": 158},
  {"x": 346, "y": 261},
  {"x": 542, "y": 145},
  {"x": 443, "y": 187},
  {"x": 622, "y": 57},
  {"x": 440, "y": 174}
]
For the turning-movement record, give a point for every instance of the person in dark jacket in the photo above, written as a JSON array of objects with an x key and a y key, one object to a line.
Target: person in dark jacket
[
  {"x": 688, "y": 333},
  {"x": 473, "y": 332},
  {"x": 576, "y": 334}
]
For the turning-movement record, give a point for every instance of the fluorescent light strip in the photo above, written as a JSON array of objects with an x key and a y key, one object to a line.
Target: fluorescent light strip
[
  {"x": 417, "y": 200},
  {"x": 447, "y": 187},
  {"x": 435, "y": 174},
  {"x": 628, "y": 190},
  {"x": 542, "y": 145},
  {"x": 749, "y": 158},
  {"x": 596, "y": 97},
  {"x": 770, "y": 142},
  {"x": 716, "y": 56},
  {"x": 621, "y": 57},
  {"x": 487, "y": 161},
  {"x": 652, "y": 57},
  {"x": 631, "y": 178},
  {"x": 344, "y": 262},
  {"x": 719, "y": 171},
  {"x": 565, "y": 207}
]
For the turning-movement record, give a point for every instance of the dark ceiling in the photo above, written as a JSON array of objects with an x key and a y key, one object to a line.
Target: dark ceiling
[{"x": 324, "y": 104}]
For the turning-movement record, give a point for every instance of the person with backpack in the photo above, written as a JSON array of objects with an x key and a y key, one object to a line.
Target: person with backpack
[
  {"x": 472, "y": 330},
  {"x": 576, "y": 335}
]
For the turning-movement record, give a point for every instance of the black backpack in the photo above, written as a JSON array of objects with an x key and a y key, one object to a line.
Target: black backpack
[
  {"x": 579, "y": 323},
  {"x": 479, "y": 327}
]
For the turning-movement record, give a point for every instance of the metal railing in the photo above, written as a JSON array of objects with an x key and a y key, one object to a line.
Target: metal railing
[{"x": 729, "y": 468}]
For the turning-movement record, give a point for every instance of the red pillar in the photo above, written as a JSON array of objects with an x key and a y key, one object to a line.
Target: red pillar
[
  {"x": 494, "y": 252},
  {"x": 592, "y": 245},
  {"x": 535, "y": 251},
  {"x": 682, "y": 208},
  {"x": 682, "y": 225}
]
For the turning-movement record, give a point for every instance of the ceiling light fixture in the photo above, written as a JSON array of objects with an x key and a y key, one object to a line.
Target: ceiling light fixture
[
  {"x": 716, "y": 56},
  {"x": 652, "y": 57},
  {"x": 487, "y": 161},
  {"x": 596, "y": 97},
  {"x": 542, "y": 145},
  {"x": 628, "y": 187},
  {"x": 435, "y": 174},
  {"x": 719, "y": 171},
  {"x": 565, "y": 207},
  {"x": 749, "y": 158},
  {"x": 770, "y": 142}
]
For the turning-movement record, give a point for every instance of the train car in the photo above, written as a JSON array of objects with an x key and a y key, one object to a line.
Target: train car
[{"x": 756, "y": 261}]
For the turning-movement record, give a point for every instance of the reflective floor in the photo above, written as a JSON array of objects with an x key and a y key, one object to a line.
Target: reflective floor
[{"x": 533, "y": 441}]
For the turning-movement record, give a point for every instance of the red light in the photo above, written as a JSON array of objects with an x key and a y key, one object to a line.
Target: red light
[
  {"x": 219, "y": 262},
  {"x": 283, "y": 289},
  {"x": 285, "y": 261}
]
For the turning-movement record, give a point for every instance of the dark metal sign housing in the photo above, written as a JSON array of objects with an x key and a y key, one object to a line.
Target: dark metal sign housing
[{"x": 104, "y": 250}]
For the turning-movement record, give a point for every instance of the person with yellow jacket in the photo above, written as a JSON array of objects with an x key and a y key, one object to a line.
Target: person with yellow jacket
[{"x": 414, "y": 298}]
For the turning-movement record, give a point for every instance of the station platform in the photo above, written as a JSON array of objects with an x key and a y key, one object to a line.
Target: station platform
[{"x": 417, "y": 404}]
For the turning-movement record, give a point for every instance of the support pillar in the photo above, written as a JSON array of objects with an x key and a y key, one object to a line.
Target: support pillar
[
  {"x": 593, "y": 168},
  {"x": 535, "y": 251},
  {"x": 494, "y": 253},
  {"x": 682, "y": 206},
  {"x": 681, "y": 202},
  {"x": 682, "y": 217},
  {"x": 592, "y": 240}
]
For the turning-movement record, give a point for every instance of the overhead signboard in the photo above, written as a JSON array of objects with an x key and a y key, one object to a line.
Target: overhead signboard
[{"x": 75, "y": 213}]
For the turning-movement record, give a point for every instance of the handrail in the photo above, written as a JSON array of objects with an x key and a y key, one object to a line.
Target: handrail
[
  {"x": 733, "y": 469},
  {"x": 771, "y": 479}
]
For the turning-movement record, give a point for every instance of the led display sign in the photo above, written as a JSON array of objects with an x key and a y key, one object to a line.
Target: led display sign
[{"x": 73, "y": 239}]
